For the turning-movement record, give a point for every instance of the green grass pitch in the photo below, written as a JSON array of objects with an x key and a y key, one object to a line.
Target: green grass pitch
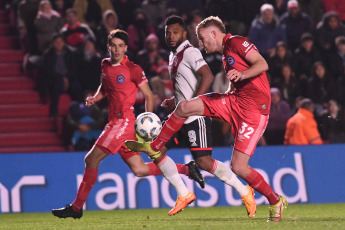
[{"x": 323, "y": 216}]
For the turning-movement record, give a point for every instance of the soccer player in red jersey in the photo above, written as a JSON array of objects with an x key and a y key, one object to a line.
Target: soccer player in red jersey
[
  {"x": 246, "y": 108},
  {"x": 120, "y": 81}
]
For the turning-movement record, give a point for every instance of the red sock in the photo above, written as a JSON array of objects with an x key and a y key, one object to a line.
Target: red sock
[
  {"x": 171, "y": 126},
  {"x": 256, "y": 181},
  {"x": 89, "y": 179},
  {"x": 154, "y": 170}
]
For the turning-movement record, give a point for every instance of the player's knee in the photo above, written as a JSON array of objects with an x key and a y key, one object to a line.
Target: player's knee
[
  {"x": 182, "y": 109},
  {"x": 237, "y": 169},
  {"x": 204, "y": 163}
]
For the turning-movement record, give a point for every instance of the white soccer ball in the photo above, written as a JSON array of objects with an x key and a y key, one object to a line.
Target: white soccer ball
[{"x": 148, "y": 126}]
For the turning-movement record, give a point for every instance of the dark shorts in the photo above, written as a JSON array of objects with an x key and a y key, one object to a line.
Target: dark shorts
[{"x": 197, "y": 135}]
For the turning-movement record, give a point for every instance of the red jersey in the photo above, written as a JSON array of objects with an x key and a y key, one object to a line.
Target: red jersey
[
  {"x": 120, "y": 82},
  {"x": 253, "y": 94}
]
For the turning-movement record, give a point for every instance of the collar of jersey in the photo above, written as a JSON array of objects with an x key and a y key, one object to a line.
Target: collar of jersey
[
  {"x": 226, "y": 38},
  {"x": 181, "y": 47},
  {"x": 124, "y": 61}
]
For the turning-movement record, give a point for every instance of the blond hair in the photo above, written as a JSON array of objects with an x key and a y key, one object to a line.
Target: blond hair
[{"x": 211, "y": 21}]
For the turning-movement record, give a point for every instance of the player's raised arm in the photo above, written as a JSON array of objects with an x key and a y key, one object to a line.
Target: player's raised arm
[
  {"x": 145, "y": 89},
  {"x": 206, "y": 80}
]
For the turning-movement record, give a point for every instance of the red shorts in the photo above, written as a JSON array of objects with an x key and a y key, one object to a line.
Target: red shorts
[
  {"x": 247, "y": 127},
  {"x": 114, "y": 135}
]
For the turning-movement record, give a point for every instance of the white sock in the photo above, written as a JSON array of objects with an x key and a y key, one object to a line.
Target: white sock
[
  {"x": 225, "y": 174},
  {"x": 170, "y": 172}
]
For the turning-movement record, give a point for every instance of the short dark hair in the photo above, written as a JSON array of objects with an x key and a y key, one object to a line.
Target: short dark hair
[
  {"x": 56, "y": 36},
  {"x": 71, "y": 10},
  {"x": 175, "y": 19},
  {"x": 306, "y": 103},
  {"x": 121, "y": 34}
]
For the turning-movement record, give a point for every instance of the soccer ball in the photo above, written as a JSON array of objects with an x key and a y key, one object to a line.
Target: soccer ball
[{"x": 148, "y": 126}]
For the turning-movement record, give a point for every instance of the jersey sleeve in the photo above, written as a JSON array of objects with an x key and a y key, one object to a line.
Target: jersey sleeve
[
  {"x": 138, "y": 75},
  {"x": 241, "y": 46},
  {"x": 194, "y": 59}
]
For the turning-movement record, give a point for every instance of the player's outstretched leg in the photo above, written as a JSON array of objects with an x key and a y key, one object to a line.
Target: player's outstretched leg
[
  {"x": 195, "y": 174},
  {"x": 182, "y": 202},
  {"x": 275, "y": 211},
  {"x": 249, "y": 201},
  {"x": 67, "y": 212},
  {"x": 145, "y": 147}
]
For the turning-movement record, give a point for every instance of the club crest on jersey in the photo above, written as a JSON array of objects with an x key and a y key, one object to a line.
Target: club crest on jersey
[
  {"x": 230, "y": 60},
  {"x": 175, "y": 62},
  {"x": 120, "y": 78}
]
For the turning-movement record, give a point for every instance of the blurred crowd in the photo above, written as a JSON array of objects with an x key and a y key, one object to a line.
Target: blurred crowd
[{"x": 303, "y": 42}]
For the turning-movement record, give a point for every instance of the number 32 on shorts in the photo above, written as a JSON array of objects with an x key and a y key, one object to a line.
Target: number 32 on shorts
[{"x": 245, "y": 130}]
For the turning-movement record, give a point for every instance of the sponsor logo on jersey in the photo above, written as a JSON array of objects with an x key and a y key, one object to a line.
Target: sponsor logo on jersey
[
  {"x": 192, "y": 137},
  {"x": 230, "y": 60},
  {"x": 120, "y": 79}
]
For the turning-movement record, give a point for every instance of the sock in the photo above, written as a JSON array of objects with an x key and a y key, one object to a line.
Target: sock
[
  {"x": 171, "y": 126},
  {"x": 256, "y": 181},
  {"x": 225, "y": 174},
  {"x": 169, "y": 170},
  {"x": 89, "y": 179},
  {"x": 154, "y": 170}
]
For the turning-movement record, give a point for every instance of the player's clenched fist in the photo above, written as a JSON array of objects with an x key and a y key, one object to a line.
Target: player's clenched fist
[
  {"x": 90, "y": 101},
  {"x": 234, "y": 75}
]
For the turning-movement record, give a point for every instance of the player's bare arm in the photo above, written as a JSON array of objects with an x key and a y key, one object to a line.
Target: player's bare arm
[
  {"x": 145, "y": 89},
  {"x": 95, "y": 98},
  {"x": 257, "y": 65},
  {"x": 169, "y": 104},
  {"x": 206, "y": 80}
]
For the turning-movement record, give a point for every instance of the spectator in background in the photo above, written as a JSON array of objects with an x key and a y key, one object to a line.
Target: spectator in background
[
  {"x": 332, "y": 124},
  {"x": 320, "y": 86},
  {"x": 161, "y": 84},
  {"x": 305, "y": 56},
  {"x": 288, "y": 84},
  {"x": 296, "y": 23},
  {"x": 297, "y": 105},
  {"x": 137, "y": 32},
  {"x": 337, "y": 6},
  {"x": 110, "y": 22},
  {"x": 47, "y": 23},
  {"x": 280, "y": 57},
  {"x": 91, "y": 11},
  {"x": 86, "y": 122},
  {"x": 88, "y": 66},
  {"x": 279, "y": 114},
  {"x": 313, "y": 8},
  {"x": 75, "y": 32},
  {"x": 57, "y": 73},
  {"x": 27, "y": 13},
  {"x": 195, "y": 18},
  {"x": 60, "y": 6},
  {"x": 155, "y": 11},
  {"x": 151, "y": 57},
  {"x": 184, "y": 8},
  {"x": 327, "y": 30},
  {"x": 336, "y": 60},
  {"x": 266, "y": 30},
  {"x": 301, "y": 129},
  {"x": 125, "y": 10}
]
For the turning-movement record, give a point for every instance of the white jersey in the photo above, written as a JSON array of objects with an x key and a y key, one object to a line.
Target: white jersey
[{"x": 183, "y": 67}]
